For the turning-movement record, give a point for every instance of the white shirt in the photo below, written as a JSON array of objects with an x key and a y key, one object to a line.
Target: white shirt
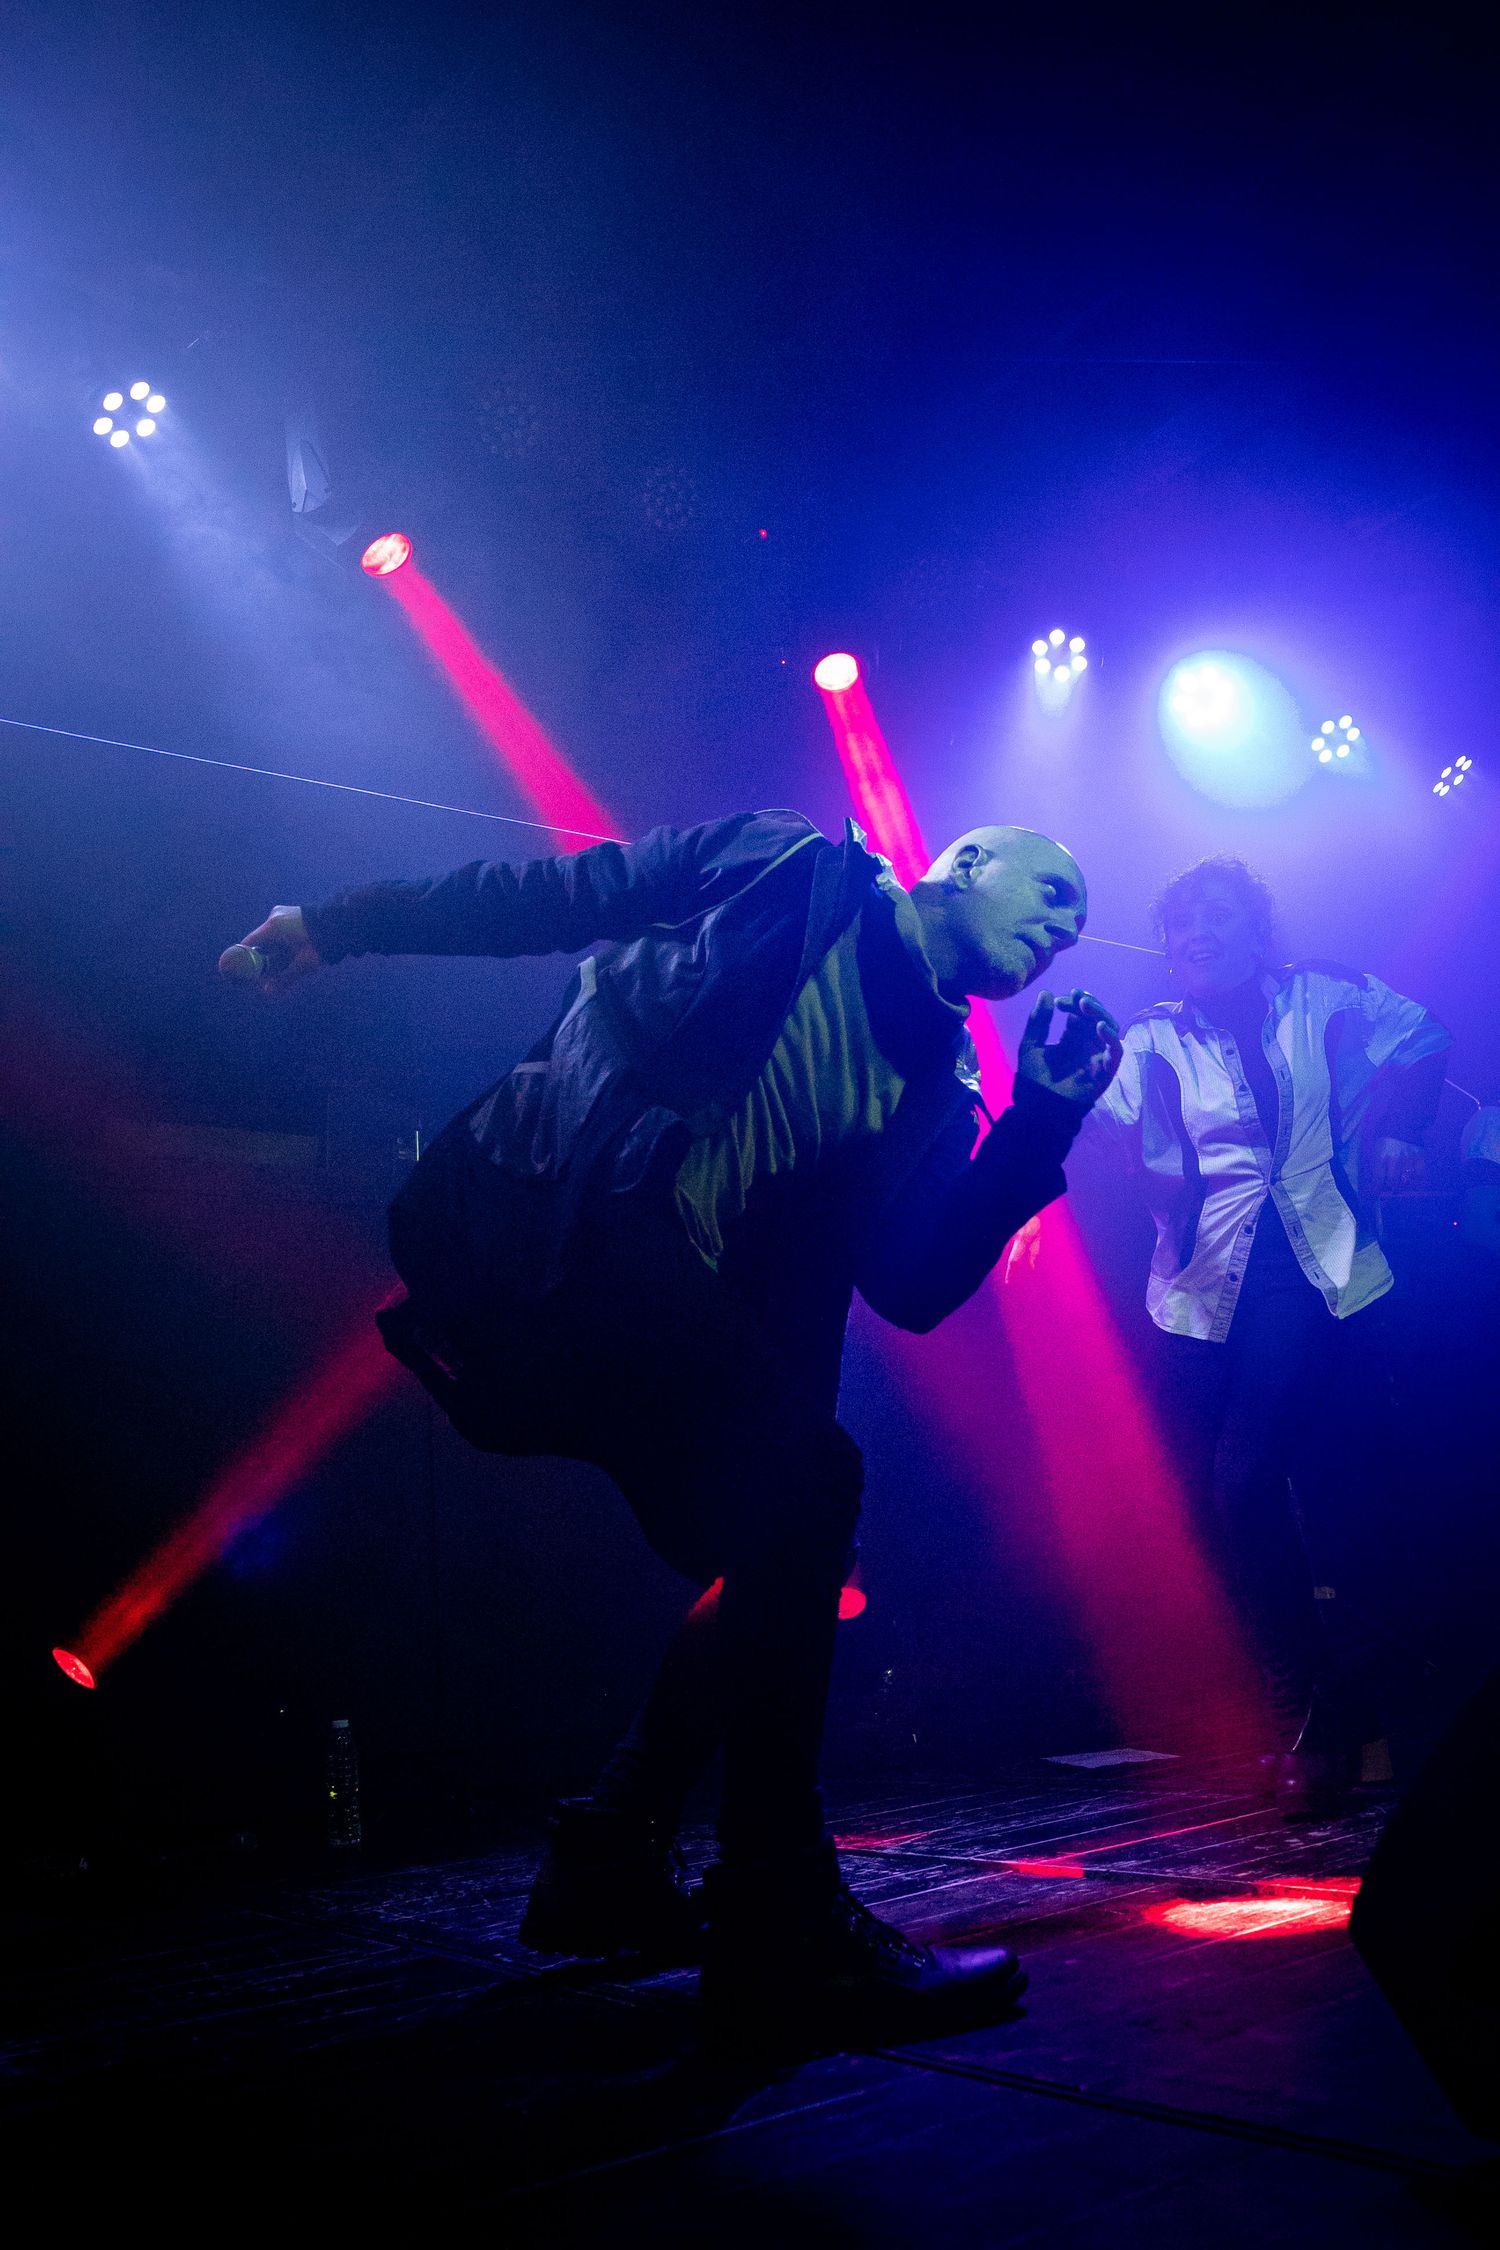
[{"x": 1182, "y": 1105}]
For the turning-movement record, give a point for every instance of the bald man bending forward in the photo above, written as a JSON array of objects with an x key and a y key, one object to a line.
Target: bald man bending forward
[{"x": 639, "y": 1250}]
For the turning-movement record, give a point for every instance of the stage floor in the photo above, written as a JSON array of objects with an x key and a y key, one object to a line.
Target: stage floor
[{"x": 375, "y": 2047}]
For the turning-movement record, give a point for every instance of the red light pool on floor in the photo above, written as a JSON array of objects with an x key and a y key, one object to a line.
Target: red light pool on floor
[{"x": 1281, "y": 1914}]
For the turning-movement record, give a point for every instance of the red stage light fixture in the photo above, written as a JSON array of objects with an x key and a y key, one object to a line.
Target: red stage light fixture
[
  {"x": 836, "y": 674},
  {"x": 852, "y": 1603},
  {"x": 385, "y": 554},
  {"x": 74, "y": 1666}
]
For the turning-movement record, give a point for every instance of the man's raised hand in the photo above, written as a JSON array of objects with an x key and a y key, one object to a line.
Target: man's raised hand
[{"x": 1079, "y": 1065}]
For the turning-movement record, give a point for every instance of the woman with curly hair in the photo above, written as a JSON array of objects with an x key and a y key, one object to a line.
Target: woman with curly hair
[{"x": 1266, "y": 1108}]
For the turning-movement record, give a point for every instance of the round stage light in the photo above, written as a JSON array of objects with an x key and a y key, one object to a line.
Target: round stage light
[
  {"x": 112, "y": 401},
  {"x": 139, "y": 390},
  {"x": 1056, "y": 665},
  {"x": 144, "y": 426},
  {"x": 119, "y": 437},
  {"x": 1231, "y": 729},
  {"x": 852, "y": 1603},
  {"x": 834, "y": 674},
  {"x": 74, "y": 1666},
  {"x": 385, "y": 554},
  {"x": 155, "y": 403},
  {"x": 104, "y": 425}
]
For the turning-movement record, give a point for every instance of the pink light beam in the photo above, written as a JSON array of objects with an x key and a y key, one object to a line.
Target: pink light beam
[
  {"x": 301, "y": 1432},
  {"x": 529, "y": 756}
]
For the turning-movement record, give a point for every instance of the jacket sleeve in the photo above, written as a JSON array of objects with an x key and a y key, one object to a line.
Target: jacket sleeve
[
  {"x": 560, "y": 905},
  {"x": 1408, "y": 1048},
  {"x": 956, "y": 1212}
]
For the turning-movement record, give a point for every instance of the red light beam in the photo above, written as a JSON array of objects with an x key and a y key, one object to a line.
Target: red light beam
[
  {"x": 869, "y": 768},
  {"x": 1160, "y": 1630},
  {"x": 298, "y": 1434},
  {"x": 530, "y": 758}
]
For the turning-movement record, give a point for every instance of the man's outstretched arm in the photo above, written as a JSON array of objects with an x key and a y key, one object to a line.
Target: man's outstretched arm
[{"x": 554, "y": 905}]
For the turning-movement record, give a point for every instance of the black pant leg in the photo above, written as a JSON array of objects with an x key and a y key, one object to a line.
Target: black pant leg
[
  {"x": 680, "y": 1386},
  {"x": 1278, "y": 1346}
]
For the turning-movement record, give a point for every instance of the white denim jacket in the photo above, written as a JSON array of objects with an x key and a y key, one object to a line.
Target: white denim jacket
[{"x": 1185, "y": 1113}]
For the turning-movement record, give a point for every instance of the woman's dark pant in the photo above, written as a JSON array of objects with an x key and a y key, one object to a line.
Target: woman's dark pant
[{"x": 1241, "y": 1412}]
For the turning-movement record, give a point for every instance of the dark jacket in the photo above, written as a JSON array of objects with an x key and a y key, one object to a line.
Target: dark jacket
[{"x": 703, "y": 938}]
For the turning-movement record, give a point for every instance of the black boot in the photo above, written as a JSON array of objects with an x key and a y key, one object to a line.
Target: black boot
[
  {"x": 1311, "y": 1779},
  {"x": 791, "y": 1953},
  {"x": 612, "y": 1883}
]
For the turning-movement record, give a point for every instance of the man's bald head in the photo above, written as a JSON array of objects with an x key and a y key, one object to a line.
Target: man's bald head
[
  {"x": 1002, "y": 843},
  {"x": 997, "y": 907}
]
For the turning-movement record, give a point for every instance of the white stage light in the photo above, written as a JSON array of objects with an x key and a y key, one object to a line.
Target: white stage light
[
  {"x": 1057, "y": 661},
  {"x": 1452, "y": 777},
  {"x": 1229, "y": 724},
  {"x": 1335, "y": 738},
  {"x": 111, "y": 403}
]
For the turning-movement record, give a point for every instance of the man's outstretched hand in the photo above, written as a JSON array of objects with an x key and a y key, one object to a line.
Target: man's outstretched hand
[
  {"x": 283, "y": 935},
  {"x": 1079, "y": 1065}
]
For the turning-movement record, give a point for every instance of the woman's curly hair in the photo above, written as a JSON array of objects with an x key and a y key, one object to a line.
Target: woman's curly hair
[{"x": 1253, "y": 894}]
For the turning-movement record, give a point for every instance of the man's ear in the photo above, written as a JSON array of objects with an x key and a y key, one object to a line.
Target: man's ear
[{"x": 966, "y": 864}]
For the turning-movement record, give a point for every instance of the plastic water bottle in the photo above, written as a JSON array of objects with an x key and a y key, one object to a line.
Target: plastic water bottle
[{"x": 343, "y": 1786}]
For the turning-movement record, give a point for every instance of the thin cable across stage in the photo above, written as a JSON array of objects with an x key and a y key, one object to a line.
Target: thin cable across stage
[{"x": 386, "y": 796}]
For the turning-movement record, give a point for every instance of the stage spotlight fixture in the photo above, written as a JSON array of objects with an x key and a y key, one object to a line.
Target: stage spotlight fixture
[
  {"x": 1231, "y": 729},
  {"x": 110, "y": 405},
  {"x": 1452, "y": 776},
  {"x": 74, "y": 1666},
  {"x": 1335, "y": 738},
  {"x": 836, "y": 674},
  {"x": 385, "y": 554},
  {"x": 1060, "y": 656}
]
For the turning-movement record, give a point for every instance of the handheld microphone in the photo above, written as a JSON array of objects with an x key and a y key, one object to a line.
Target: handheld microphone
[{"x": 247, "y": 964}]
